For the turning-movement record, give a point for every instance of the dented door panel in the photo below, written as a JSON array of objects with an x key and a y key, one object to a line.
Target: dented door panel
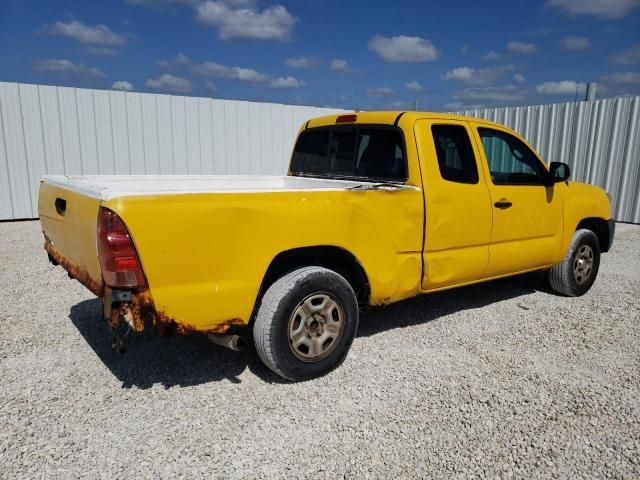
[{"x": 458, "y": 217}]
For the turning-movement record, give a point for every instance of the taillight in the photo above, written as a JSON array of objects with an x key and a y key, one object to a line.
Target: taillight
[{"x": 118, "y": 257}]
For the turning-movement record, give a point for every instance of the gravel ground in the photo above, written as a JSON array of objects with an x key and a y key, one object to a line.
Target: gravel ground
[{"x": 496, "y": 380}]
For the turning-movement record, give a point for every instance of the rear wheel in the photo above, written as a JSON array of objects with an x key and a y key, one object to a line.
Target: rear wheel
[
  {"x": 577, "y": 272},
  {"x": 306, "y": 323}
]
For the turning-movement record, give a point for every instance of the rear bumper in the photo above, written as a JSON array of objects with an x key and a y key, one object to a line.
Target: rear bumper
[{"x": 136, "y": 308}]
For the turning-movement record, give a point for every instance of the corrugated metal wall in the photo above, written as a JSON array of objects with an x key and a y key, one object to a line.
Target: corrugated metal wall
[
  {"x": 57, "y": 130},
  {"x": 60, "y": 130},
  {"x": 600, "y": 140}
]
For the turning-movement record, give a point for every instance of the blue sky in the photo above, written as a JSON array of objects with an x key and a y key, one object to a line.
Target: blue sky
[{"x": 351, "y": 54}]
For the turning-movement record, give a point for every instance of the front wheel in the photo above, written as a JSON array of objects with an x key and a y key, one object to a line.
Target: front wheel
[
  {"x": 577, "y": 272},
  {"x": 306, "y": 323}
]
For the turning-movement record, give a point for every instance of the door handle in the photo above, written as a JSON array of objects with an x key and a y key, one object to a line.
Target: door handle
[{"x": 502, "y": 204}]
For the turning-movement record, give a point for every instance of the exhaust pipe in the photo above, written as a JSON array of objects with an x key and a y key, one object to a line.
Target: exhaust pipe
[{"x": 234, "y": 342}]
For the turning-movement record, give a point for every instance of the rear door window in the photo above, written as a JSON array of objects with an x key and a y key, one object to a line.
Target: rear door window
[{"x": 455, "y": 155}]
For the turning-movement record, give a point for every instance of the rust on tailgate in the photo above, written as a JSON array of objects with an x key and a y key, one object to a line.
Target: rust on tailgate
[{"x": 76, "y": 271}]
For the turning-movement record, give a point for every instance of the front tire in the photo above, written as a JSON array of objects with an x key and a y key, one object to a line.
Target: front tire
[
  {"x": 306, "y": 323},
  {"x": 577, "y": 272}
]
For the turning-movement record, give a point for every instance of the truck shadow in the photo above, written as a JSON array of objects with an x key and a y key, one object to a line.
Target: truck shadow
[
  {"x": 193, "y": 360},
  {"x": 426, "y": 308},
  {"x": 149, "y": 359}
]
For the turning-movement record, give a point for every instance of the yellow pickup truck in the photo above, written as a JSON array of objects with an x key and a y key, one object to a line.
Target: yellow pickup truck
[{"x": 376, "y": 207}]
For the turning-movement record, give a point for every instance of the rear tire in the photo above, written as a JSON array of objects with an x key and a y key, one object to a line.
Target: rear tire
[
  {"x": 577, "y": 272},
  {"x": 306, "y": 323}
]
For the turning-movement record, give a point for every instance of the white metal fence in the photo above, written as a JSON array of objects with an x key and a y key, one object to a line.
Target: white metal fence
[
  {"x": 600, "y": 140},
  {"x": 60, "y": 130}
]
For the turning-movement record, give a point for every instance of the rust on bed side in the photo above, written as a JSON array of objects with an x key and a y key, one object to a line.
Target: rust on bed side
[
  {"x": 76, "y": 271},
  {"x": 142, "y": 311},
  {"x": 223, "y": 327}
]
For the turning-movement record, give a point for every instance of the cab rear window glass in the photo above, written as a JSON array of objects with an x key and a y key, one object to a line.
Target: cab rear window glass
[{"x": 364, "y": 152}]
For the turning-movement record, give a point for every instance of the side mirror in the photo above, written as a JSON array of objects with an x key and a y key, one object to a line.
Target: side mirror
[{"x": 558, "y": 172}]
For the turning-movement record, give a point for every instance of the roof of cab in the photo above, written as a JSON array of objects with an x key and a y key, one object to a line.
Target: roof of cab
[{"x": 390, "y": 118}]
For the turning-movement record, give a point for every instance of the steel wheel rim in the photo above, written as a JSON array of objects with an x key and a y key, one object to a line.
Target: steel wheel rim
[
  {"x": 583, "y": 264},
  {"x": 315, "y": 327}
]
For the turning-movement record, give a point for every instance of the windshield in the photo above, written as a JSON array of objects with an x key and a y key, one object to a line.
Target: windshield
[{"x": 359, "y": 152}]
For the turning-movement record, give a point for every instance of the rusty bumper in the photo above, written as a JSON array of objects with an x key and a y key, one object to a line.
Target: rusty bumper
[{"x": 137, "y": 309}]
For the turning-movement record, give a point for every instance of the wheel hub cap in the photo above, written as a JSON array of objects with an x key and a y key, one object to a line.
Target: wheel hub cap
[
  {"x": 315, "y": 327},
  {"x": 583, "y": 264}
]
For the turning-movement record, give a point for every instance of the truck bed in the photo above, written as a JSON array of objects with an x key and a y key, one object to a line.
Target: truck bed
[{"x": 107, "y": 187}]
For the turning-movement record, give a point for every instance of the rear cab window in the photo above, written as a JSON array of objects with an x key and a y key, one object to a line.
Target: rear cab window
[{"x": 359, "y": 152}]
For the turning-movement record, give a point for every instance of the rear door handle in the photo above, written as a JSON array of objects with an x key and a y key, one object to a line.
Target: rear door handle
[{"x": 502, "y": 204}]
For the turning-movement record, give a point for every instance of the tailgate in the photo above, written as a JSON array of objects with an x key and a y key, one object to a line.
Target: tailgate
[{"x": 69, "y": 222}]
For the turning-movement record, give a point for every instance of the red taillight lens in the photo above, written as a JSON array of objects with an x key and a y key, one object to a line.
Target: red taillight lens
[
  {"x": 118, "y": 257},
  {"x": 346, "y": 118}
]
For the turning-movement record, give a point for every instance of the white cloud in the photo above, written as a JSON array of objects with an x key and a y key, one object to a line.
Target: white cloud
[
  {"x": 286, "y": 82},
  {"x": 122, "y": 85},
  {"x": 379, "y": 92},
  {"x": 170, "y": 83},
  {"x": 629, "y": 56},
  {"x": 212, "y": 87},
  {"x": 181, "y": 60},
  {"x": 211, "y": 69},
  {"x": 478, "y": 76},
  {"x": 491, "y": 56},
  {"x": 598, "y": 8},
  {"x": 521, "y": 47},
  {"x": 245, "y": 20},
  {"x": 519, "y": 78},
  {"x": 562, "y": 87},
  {"x": 464, "y": 49},
  {"x": 459, "y": 106},
  {"x": 401, "y": 105},
  {"x": 572, "y": 42},
  {"x": 508, "y": 93},
  {"x": 78, "y": 31},
  {"x": 623, "y": 78},
  {"x": 230, "y": 72},
  {"x": 413, "y": 85},
  {"x": 403, "y": 49},
  {"x": 301, "y": 61},
  {"x": 342, "y": 66},
  {"x": 68, "y": 68}
]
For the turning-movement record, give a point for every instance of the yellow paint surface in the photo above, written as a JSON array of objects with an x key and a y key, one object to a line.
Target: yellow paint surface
[{"x": 205, "y": 254}]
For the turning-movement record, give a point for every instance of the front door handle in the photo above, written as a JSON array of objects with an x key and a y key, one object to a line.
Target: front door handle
[{"x": 502, "y": 204}]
